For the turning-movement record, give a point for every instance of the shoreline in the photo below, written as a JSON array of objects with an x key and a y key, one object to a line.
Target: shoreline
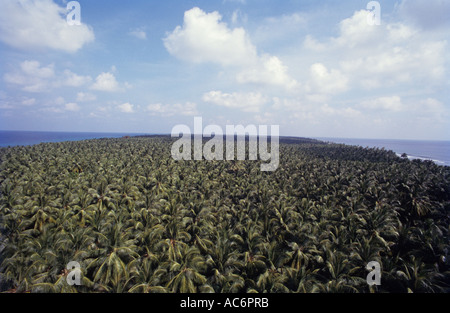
[
  {"x": 432, "y": 150},
  {"x": 413, "y": 157}
]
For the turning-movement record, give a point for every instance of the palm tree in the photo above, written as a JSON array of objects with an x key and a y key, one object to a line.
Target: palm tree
[
  {"x": 418, "y": 276},
  {"x": 146, "y": 276},
  {"x": 223, "y": 264},
  {"x": 102, "y": 195},
  {"x": 138, "y": 221},
  {"x": 186, "y": 276},
  {"x": 114, "y": 252}
]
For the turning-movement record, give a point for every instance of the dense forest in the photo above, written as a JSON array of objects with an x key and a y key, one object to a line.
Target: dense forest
[{"x": 138, "y": 221}]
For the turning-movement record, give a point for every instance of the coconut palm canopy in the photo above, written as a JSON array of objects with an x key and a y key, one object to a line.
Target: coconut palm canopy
[{"x": 136, "y": 220}]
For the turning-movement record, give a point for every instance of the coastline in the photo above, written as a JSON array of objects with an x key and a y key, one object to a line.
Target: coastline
[
  {"x": 425, "y": 150},
  {"x": 413, "y": 157}
]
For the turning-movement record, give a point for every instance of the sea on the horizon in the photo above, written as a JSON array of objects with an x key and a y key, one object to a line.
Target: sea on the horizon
[
  {"x": 437, "y": 151},
  {"x": 28, "y": 138}
]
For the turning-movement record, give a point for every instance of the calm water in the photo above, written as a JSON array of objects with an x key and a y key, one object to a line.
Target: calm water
[
  {"x": 437, "y": 151},
  {"x": 26, "y": 138}
]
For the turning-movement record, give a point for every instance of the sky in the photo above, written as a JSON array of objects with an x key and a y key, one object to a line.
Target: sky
[{"x": 315, "y": 68}]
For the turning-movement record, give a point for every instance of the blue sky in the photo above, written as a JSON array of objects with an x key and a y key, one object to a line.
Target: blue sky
[{"x": 316, "y": 68}]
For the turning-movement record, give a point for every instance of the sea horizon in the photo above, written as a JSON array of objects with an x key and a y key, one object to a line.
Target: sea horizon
[
  {"x": 12, "y": 138},
  {"x": 437, "y": 151}
]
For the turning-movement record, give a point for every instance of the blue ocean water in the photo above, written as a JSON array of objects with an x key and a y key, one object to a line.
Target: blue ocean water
[
  {"x": 437, "y": 151},
  {"x": 26, "y": 138}
]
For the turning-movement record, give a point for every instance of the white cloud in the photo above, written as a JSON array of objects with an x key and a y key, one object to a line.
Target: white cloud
[
  {"x": 287, "y": 21},
  {"x": 238, "y": 16},
  {"x": 324, "y": 81},
  {"x": 138, "y": 33},
  {"x": 5, "y": 105},
  {"x": 297, "y": 105},
  {"x": 59, "y": 105},
  {"x": 106, "y": 82},
  {"x": 101, "y": 112},
  {"x": 298, "y": 109},
  {"x": 393, "y": 104},
  {"x": 32, "y": 76},
  {"x": 313, "y": 44},
  {"x": 269, "y": 70},
  {"x": 51, "y": 109},
  {"x": 59, "y": 101},
  {"x": 203, "y": 38},
  {"x": 11, "y": 103},
  {"x": 265, "y": 118},
  {"x": 41, "y": 24},
  {"x": 246, "y": 102},
  {"x": 85, "y": 97},
  {"x": 393, "y": 54},
  {"x": 186, "y": 109},
  {"x": 73, "y": 107},
  {"x": 280, "y": 29},
  {"x": 156, "y": 108},
  {"x": 33, "y": 68},
  {"x": 5, "y": 101},
  {"x": 355, "y": 31},
  {"x": 126, "y": 108},
  {"x": 432, "y": 104},
  {"x": 430, "y": 111},
  {"x": 399, "y": 64},
  {"x": 73, "y": 80},
  {"x": 434, "y": 109},
  {"x": 29, "y": 101},
  {"x": 347, "y": 112}
]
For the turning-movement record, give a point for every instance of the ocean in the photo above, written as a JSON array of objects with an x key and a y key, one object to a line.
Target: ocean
[
  {"x": 27, "y": 138},
  {"x": 436, "y": 151}
]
